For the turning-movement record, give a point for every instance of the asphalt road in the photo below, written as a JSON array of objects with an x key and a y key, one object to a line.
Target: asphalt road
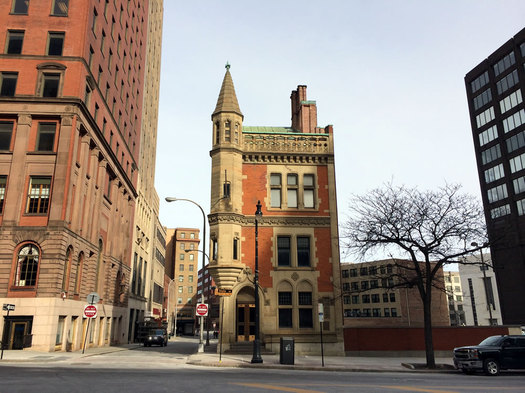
[
  {"x": 146, "y": 370},
  {"x": 210, "y": 380}
]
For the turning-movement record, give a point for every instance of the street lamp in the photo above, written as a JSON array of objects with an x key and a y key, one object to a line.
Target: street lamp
[
  {"x": 256, "y": 358},
  {"x": 208, "y": 290},
  {"x": 483, "y": 269},
  {"x": 171, "y": 199}
]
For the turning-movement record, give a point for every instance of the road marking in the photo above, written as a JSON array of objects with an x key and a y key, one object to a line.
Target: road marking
[
  {"x": 275, "y": 387},
  {"x": 414, "y": 389}
]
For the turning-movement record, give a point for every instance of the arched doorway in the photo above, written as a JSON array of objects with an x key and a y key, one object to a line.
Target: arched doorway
[{"x": 245, "y": 315}]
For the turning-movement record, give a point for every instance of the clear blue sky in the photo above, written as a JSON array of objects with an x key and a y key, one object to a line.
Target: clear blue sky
[{"x": 387, "y": 74}]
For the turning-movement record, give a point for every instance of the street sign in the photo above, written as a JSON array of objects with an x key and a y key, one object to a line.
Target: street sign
[
  {"x": 8, "y": 307},
  {"x": 90, "y": 311},
  {"x": 320, "y": 311},
  {"x": 223, "y": 292},
  {"x": 93, "y": 298},
  {"x": 201, "y": 310}
]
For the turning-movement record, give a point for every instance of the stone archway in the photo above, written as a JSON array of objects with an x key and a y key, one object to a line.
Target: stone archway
[{"x": 245, "y": 315}]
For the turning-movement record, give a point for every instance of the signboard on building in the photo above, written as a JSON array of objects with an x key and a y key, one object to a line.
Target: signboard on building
[{"x": 223, "y": 292}]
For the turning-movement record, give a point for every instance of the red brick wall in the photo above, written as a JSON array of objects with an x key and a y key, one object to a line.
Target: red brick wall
[{"x": 412, "y": 339}]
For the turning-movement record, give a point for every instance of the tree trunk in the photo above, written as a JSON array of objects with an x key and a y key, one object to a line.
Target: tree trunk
[{"x": 429, "y": 342}]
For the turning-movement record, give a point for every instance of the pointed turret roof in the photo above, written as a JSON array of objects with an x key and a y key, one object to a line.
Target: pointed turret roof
[{"x": 227, "y": 101}]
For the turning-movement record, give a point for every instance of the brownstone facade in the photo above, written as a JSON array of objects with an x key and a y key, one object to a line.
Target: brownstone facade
[{"x": 71, "y": 99}]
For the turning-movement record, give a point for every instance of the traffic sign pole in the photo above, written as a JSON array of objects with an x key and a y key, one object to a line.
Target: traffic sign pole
[{"x": 6, "y": 307}]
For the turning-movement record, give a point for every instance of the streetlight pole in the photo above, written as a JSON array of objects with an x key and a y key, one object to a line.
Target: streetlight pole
[
  {"x": 483, "y": 269},
  {"x": 168, "y": 312},
  {"x": 171, "y": 199},
  {"x": 256, "y": 358},
  {"x": 208, "y": 290}
]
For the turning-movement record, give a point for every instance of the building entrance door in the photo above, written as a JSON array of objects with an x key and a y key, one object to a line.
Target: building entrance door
[
  {"x": 245, "y": 322},
  {"x": 18, "y": 331}
]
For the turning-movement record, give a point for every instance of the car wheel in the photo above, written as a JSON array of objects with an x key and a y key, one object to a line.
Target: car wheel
[{"x": 491, "y": 367}]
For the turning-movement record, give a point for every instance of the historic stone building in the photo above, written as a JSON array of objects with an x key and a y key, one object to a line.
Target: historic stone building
[
  {"x": 72, "y": 77},
  {"x": 290, "y": 170}
]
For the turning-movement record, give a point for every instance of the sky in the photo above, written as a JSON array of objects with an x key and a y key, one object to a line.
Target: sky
[{"x": 387, "y": 74}]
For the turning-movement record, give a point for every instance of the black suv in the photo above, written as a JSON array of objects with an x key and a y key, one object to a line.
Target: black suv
[
  {"x": 156, "y": 337},
  {"x": 493, "y": 354}
]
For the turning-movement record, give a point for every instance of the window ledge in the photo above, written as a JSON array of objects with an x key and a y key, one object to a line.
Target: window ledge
[{"x": 44, "y": 153}]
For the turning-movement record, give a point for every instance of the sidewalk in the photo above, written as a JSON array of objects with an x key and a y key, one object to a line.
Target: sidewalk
[{"x": 210, "y": 358}]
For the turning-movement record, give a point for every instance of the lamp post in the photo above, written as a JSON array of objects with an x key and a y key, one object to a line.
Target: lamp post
[
  {"x": 171, "y": 199},
  {"x": 208, "y": 290},
  {"x": 483, "y": 269},
  {"x": 168, "y": 309},
  {"x": 256, "y": 358}
]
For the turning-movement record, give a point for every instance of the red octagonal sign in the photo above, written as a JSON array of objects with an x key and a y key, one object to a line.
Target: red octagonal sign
[
  {"x": 202, "y": 309},
  {"x": 90, "y": 311}
]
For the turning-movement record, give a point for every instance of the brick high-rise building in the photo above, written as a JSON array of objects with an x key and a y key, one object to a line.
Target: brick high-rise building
[
  {"x": 495, "y": 90},
  {"x": 291, "y": 171},
  {"x": 182, "y": 267},
  {"x": 72, "y": 77}
]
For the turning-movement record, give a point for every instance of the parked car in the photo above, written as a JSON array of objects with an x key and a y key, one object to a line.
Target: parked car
[
  {"x": 156, "y": 337},
  {"x": 493, "y": 354}
]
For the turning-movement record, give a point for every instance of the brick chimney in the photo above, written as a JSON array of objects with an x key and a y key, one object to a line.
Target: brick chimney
[{"x": 304, "y": 113}]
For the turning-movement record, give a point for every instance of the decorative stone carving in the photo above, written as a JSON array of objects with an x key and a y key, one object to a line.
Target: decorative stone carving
[{"x": 295, "y": 276}]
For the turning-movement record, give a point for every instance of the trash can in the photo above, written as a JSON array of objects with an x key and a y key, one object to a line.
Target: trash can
[{"x": 287, "y": 351}]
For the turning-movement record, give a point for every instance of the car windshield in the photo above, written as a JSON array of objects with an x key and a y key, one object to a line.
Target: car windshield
[
  {"x": 158, "y": 333},
  {"x": 492, "y": 341}
]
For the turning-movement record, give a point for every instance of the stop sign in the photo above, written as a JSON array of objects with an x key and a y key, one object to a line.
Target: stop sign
[
  {"x": 90, "y": 311},
  {"x": 202, "y": 309}
]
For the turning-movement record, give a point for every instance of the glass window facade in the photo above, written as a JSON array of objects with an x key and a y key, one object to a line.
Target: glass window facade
[
  {"x": 514, "y": 120},
  {"x": 488, "y": 135},
  {"x": 497, "y": 193},
  {"x": 504, "y": 64},
  {"x": 482, "y": 99},
  {"x": 510, "y": 101},
  {"x": 485, "y": 117},
  {"x": 479, "y": 82},
  {"x": 490, "y": 154},
  {"x": 517, "y": 163},
  {"x": 494, "y": 173}
]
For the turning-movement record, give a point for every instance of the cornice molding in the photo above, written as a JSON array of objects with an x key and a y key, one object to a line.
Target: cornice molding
[{"x": 268, "y": 221}]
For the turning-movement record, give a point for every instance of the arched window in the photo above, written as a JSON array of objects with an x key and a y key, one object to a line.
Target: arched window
[
  {"x": 285, "y": 302},
  {"x": 78, "y": 278},
  {"x": 27, "y": 266},
  {"x": 305, "y": 304},
  {"x": 67, "y": 267}
]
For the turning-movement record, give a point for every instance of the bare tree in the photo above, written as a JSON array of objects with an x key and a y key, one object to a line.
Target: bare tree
[{"x": 428, "y": 228}]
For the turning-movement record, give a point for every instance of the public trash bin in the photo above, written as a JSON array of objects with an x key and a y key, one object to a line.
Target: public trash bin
[{"x": 287, "y": 351}]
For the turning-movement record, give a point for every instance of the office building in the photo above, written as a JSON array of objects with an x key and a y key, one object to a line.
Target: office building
[
  {"x": 495, "y": 90},
  {"x": 373, "y": 297},
  {"x": 72, "y": 83}
]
